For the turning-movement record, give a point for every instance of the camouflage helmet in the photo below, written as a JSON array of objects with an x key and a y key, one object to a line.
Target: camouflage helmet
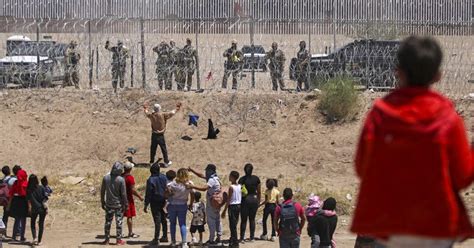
[
  {"x": 73, "y": 43},
  {"x": 234, "y": 42},
  {"x": 172, "y": 43},
  {"x": 119, "y": 42},
  {"x": 303, "y": 43},
  {"x": 188, "y": 40},
  {"x": 274, "y": 45}
]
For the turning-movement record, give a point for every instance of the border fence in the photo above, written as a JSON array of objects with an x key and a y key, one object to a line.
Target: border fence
[{"x": 212, "y": 24}]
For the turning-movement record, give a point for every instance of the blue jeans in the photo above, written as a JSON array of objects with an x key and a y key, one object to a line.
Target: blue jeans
[
  {"x": 289, "y": 242},
  {"x": 177, "y": 212},
  {"x": 19, "y": 227}
]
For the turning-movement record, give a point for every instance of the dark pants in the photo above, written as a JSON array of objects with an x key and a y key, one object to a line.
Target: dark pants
[
  {"x": 19, "y": 227},
  {"x": 156, "y": 209},
  {"x": 289, "y": 242},
  {"x": 234, "y": 212},
  {"x": 34, "y": 216},
  {"x": 249, "y": 212},
  {"x": 158, "y": 139},
  {"x": 164, "y": 223},
  {"x": 269, "y": 211}
]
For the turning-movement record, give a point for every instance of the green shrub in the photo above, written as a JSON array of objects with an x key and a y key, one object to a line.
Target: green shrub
[{"x": 339, "y": 99}]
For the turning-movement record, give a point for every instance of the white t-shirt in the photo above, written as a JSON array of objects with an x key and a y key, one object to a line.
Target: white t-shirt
[{"x": 236, "y": 198}]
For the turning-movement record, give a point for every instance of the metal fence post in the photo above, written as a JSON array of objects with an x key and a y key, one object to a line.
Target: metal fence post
[
  {"x": 131, "y": 71},
  {"x": 91, "y": 55},
  {"x": 252, "y": 26},
  {"x": 198, "y": 74},
  {"x": 38, "y": 68},
  {"x": 142, "y": 42}
]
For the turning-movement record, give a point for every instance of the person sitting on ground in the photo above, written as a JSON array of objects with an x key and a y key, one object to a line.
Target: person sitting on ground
[
  {"x": 36, "y": 195},
  {"x": 199, "y": 218},
  {"x": 233, "y": 204},
  {"x": 130, "y": 212},
  {"x": 272, "y": 194},
  {"x": 414, "y": 159},
  {"x": 212, "y": 213},
  {"x": 322, "y": 221},
  {"x": 155, "y": 198},
  {"x": 180, "y": 193},
  {"x": 289, "y": 221},
  {"x": 113, "y": 197},
  {"x": 158, "y": 121}
]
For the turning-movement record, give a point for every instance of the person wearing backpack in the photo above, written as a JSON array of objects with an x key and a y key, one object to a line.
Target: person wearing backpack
[
  {"x": 289, "y": 221},
  {"x": 156, "y": 186},
  {"x": 214, "y": 202}
]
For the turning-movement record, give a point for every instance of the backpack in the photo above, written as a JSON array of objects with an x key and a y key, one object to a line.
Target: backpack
[
  {"x": 289, "y": 221},
  {"x": 4, "y": 194},
  {"x": 219, "y": 198}
]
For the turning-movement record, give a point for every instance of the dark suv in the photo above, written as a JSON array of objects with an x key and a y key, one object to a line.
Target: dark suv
[
  {"x": 372, "y": 62},
  {"x": 257, "y": 62}
]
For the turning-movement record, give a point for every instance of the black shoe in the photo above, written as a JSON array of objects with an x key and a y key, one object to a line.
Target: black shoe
[
  {"x": 154, "y": 242},
  {"x": 164, "y": 240}
]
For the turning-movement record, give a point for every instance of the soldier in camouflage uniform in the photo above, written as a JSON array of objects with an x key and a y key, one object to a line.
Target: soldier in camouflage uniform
[
  {"x": 173, "y": 61},
  {"x": 119, "y": 63},
  {"x": 302, "y": 62},
  {"x": 276, "y": 65},
  {"x": 72, "y": 62},
  {"x": 233, "y": 65},
  {"x": 190, "y": 61},
  {"x": 163, "y": 63},
  {"x": 180, "y": 69}
]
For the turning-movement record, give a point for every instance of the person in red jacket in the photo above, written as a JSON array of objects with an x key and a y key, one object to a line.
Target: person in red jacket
[{"x": 413, "y": 159}]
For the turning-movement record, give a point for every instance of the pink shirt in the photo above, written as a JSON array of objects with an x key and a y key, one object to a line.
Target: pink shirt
[{"x": 299, "y": 211}]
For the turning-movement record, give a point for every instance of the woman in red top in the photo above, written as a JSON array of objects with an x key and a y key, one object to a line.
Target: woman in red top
[
  {"x": 18, "y": 205},
  {"x": 130, "y": 186},
  {"x": 413, "y": 159}
]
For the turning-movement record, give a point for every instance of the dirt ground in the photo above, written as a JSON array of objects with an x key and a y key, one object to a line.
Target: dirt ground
[{"x": 63, "y": 132}]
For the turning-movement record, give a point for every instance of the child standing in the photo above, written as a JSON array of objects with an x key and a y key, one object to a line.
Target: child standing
[
  {"x": 199, "y": 218},
  {"x": 233, "y": 204},
  {"x": 414, "y": 159},
  {"x": 170, "y": 176},
  {"x": 271, "y": 201}
]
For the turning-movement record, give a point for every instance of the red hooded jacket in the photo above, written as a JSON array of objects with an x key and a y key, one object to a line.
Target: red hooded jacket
[
  {"x": 20, "y": 185},
  {"x": 413, "y": 159}
]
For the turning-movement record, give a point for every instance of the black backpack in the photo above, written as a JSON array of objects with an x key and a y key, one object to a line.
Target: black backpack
[{"x": 289, "y": 221}]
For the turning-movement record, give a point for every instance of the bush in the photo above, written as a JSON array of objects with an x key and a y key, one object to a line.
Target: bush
[{"x": 339, "y": 99}]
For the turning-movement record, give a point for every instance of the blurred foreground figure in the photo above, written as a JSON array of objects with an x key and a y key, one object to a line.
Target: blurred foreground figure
[
  {"x": 119, "y": 63},
  {"x": 276, "y": 65},
  {"x": 72, "y": 62},
  {"x": 414, "y": 159},
  {"x": 233, "y": 65}
]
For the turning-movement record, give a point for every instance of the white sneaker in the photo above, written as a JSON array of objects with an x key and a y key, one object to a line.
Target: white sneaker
[
  {"x": 273, "y": 239},
  {"x": 173, "y": 244},
  {"x": 184, "y": 245},
  {"x": 168, "y": 164},
  {"x": 193, "y": 240}
]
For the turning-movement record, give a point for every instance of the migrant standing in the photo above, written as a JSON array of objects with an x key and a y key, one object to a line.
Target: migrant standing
[
  {"x": 156, "y": 199},
  {"x": 113, "y": 197},
  {"x": 158, "y": 121}
]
